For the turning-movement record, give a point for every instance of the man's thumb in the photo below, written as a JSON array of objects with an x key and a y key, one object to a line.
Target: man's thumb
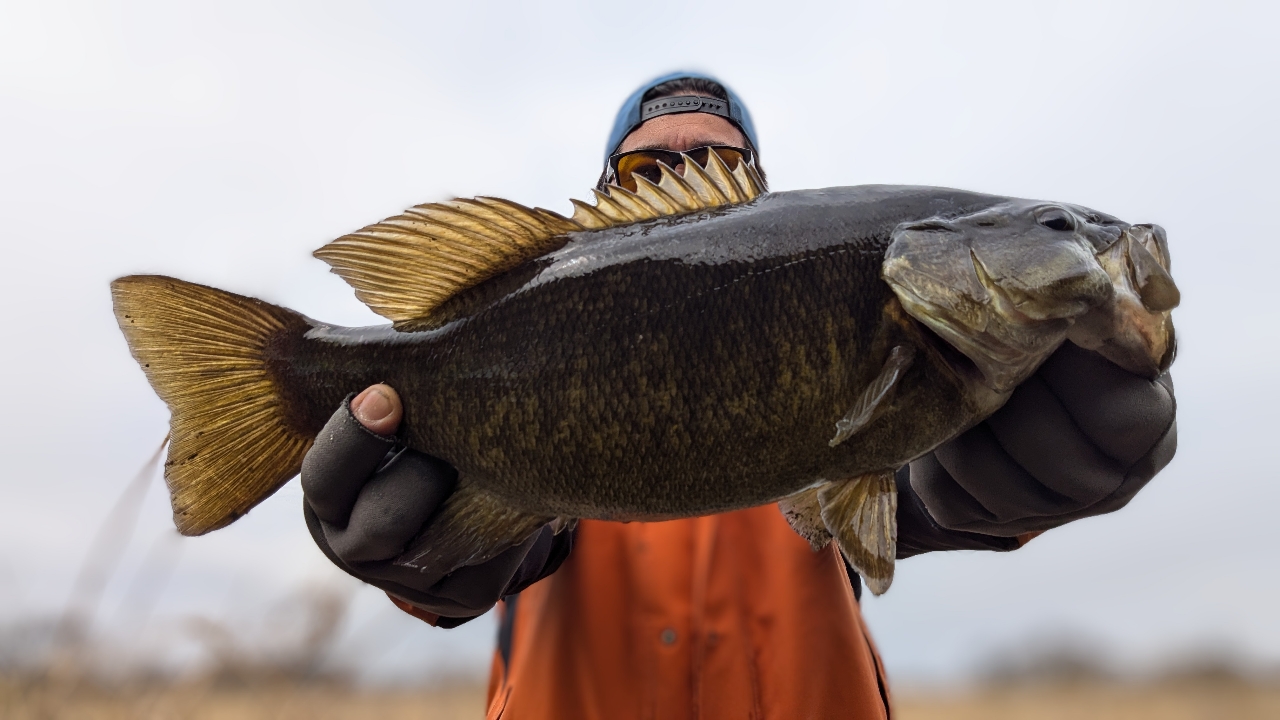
[{"x": 378, "y": 409}]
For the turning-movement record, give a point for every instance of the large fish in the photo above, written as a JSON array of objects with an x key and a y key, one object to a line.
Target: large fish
[{"x": 694, "y": 347}]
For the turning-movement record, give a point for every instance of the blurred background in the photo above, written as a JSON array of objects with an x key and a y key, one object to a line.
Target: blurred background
[{"x": 223, "y": 142}]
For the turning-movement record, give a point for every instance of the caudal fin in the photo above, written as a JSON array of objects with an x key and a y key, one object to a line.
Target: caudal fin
[{"x": 205, "y": 353}]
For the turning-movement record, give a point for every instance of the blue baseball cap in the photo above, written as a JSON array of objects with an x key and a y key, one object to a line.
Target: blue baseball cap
[{"x": 632, "y": 113}]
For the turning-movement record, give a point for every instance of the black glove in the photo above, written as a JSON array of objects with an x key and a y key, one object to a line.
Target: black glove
[
  {"x": 1081, "y": 437},
  {"x": 365, "y": 499}
]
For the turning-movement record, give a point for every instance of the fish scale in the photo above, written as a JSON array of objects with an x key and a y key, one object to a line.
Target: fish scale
[{"x": 632, "y": 364}]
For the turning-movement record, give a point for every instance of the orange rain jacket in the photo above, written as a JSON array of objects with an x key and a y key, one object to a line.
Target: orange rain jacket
[{"x": 727, "y": 616}]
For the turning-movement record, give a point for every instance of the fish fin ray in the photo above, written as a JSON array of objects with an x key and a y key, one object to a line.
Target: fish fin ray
[
  {"x": 612, "y": 207},
  {"x": 710, "y": 192},
  {"x": 861, "y": 514},
  {"x": 405, "y": 267},
  {"x": 700, "y": 188},
  {"x": 204, "y": 352},
  {"x": 677, "y": 189},
  {"x": 472, "y": 527},
  {"x": 588, "y": 217},
  {"x": 875, "y": 394},
  {"x": 722, "y": 177},
  {"x": 636, "y": 206},
  {"x": 803, "y": 511},
  {"x": 656, "y": 197},
  {"x": 748, "y": 179}
]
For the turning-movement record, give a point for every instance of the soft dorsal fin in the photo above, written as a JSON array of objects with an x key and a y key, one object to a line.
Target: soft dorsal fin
[{"x": 406, "y": 266}]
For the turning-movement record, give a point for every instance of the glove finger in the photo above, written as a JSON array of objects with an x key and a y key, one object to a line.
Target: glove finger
[
  {"x": 1040, "y": 436},
  {"x": 401, "y": 581},
  {"x": 393, "y": 507},
  {"x": 1139, "y": 475},
  {"x": 919, "y": 532},
  {"x": 1122, "y": 413},
  {"x": 976, "y": 469},
  {"x": 480, "y": 586},
  {"x": 337, "y": 466},
  {"x": 947, "y": 503}
]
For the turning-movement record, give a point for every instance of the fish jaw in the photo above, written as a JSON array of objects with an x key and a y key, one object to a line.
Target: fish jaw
[
  {"x": 1134, "y": 330},
  {"x": 1000, "y": 285}
]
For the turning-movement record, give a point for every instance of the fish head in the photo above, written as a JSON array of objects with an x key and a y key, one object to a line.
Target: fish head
[
  {"x": 1135, "y": 329},
  {"x": 1006, "y": 285}
]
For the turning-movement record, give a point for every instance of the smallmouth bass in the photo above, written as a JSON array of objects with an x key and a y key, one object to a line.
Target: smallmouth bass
[{"x": 697, "y": 346}]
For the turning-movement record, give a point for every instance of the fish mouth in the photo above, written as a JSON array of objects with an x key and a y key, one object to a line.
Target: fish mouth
[
  {"x": 1008, "y": 285},
  {"x": 1135, "y": 330}
]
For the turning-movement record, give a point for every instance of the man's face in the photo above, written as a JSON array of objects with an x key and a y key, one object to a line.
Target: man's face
[{"x": 683, "y": 131}]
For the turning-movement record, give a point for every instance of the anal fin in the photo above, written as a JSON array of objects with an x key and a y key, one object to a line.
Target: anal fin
[
  {"x": 803, "y": 511},
  {"x": 880, "y": 389},
  {"x": 472, "y": 527},
  {"x": 861, "y": 513}
]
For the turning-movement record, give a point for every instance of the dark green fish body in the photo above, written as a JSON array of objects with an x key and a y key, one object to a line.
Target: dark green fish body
[
  {"x": 692, "y": 347},
  {"x": 678, "y": 367}
]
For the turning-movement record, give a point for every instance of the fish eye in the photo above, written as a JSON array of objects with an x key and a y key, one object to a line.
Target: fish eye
[{"x": 1057, "y": 219}]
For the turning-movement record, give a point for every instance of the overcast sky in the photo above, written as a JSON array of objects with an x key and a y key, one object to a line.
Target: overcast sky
[{"x": 222, "y": 142}]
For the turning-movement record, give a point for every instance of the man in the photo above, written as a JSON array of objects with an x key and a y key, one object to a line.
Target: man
[{"x": 731, "y": 615}]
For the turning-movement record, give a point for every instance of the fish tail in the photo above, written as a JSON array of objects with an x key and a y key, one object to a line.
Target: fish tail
[{"x": 206, "y": 353}]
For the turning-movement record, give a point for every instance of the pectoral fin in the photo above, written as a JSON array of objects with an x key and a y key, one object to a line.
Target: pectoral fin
[
  {"x": 804, "y": 513},
  {"x": 861, "y": 513},
  {"x": 472, "y": 527},
  {"x": 876, "y": 393}
]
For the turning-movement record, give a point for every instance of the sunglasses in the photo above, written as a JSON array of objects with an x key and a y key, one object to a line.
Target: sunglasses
[{"x": 623, "y": 167}]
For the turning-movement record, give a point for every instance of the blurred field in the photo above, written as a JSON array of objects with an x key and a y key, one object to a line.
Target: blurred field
[
  {"x": 1166, "y": 700},
  {"x": 1095, "y": 700},
  {"x": 37, "y": 700}
]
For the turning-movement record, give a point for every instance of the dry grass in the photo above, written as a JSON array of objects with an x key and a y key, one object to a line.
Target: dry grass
[
  {"x": 197, "y": 701},
  {"x": 1167, "y": 700},
  {"x": 1094, "y": 700}
]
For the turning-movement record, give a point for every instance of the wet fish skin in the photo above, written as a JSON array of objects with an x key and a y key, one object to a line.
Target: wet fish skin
[
  {"x": 689, "y": 365},
  {"x": 693, "y": 347}
]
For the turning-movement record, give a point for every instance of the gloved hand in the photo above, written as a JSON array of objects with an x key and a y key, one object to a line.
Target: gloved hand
[
  {"x": 365, "y": 499},
  {"x": 1081, "y": 437}
]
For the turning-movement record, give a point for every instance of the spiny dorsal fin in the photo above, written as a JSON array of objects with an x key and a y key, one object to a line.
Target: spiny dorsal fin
[
  {"x": 699, "y": 189},
  {"x": 406, "y": 266}
]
